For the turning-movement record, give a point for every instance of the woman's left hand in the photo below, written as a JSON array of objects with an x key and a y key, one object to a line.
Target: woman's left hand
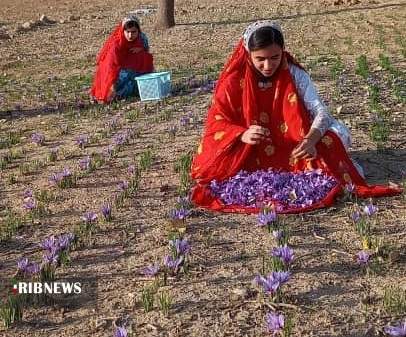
[
  {"x": 135, "y": 50},
  {"x": 305, "y": 150}
]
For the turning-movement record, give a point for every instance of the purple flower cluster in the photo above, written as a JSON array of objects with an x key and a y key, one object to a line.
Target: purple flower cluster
[
  {"x": 90, "y": 217},
  {"x": 396, "y": 330},
  {"x": 272, "y": 283},
  {"x": 37, "y": 138},
  {"x": 28, "y": 267},
  {"x": 291, "y": 190},
  {"x": 58, "y": 177},
  {"x": 275, "y": 322},
  {"x": 84, "y": 163},
  {"x": 53, "y": 249},
  {"x": 82, "y": 140},
  {"x": 106, "y": 212},
  {"x": 284, "y": 253},
  {"x": 151, "y": 270},
  {"x": 120, "y": 332}
]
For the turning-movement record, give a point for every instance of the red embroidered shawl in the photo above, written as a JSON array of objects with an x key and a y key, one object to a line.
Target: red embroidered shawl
[
  {"x": 238, "y": 103},
  {"x": 114, "y": 56}
]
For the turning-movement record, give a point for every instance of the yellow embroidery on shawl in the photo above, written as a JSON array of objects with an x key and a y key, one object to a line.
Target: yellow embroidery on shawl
[
  {"x": 241, "y": 83},
  {"x": 292, "y": 98},
  {"x": 284, "y": 127},
  {"x": 293, "y": 161},
  {"x": 302, "y": 133},
  {"x": 200, "y": 148},
  {"x": 218, "y": 117},
  {"x": 196, "y": 168},
  {"x": 263, "y": 117},
  {"x": 309, "y": 164},
  {"x": 270, "y": 150},
  {"x": 347, "y": 178},
  {"x": 219, "y": 135},
  {"x": 327, "y": 140}
]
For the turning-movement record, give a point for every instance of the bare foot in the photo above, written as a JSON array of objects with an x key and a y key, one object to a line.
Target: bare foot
[{"x": 111, "y": 95}]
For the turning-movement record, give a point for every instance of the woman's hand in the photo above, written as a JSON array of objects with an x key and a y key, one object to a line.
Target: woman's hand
[
  {"x": 135, "y": 50},
  {"x": 305, "y": 150},
  {"x": 254, "y": 134}
]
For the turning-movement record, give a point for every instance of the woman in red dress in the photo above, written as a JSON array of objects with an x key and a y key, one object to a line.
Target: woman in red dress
[
  {"x": 124, "y": 56},
  {"x": 267, "y": 127}
]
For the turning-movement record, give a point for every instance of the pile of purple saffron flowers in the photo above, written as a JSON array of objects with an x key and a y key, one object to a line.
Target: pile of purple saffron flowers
[{"x": 291, "y": 190}]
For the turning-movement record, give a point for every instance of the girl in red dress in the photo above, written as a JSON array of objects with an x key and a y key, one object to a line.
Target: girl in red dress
[{"x": 124, "y": 56}]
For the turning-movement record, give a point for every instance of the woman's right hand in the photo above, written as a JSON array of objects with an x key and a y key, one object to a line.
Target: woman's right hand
[{"x": 254, "y": 134}]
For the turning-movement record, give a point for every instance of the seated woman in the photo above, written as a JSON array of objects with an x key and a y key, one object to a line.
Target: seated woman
[
  {"x": 124, "y": 56},
  {"x": 269, "y": 139}
]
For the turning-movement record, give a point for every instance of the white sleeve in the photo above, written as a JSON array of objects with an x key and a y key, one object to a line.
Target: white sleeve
[{"x": 318, "y": 111}]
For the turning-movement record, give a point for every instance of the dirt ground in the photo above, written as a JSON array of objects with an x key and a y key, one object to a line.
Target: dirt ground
[{"x": 52, "y": 62}]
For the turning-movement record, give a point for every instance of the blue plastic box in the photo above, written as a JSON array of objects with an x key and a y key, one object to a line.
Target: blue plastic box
[{"x": 154, "y": 85}]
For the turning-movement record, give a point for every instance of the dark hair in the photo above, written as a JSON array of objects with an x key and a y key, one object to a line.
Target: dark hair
[
  {"x": 264, "y": 37},
  {"x": 131, "y": 24}
]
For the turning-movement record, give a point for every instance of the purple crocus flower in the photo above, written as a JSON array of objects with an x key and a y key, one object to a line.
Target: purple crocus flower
[
  {"x": 120, "y": 332},
  {"x": 396, "y": 330},
  {"x": 29, "y": 204},
  {"x": 51, "y": 257},
  {"x": 182, "y": 247},
  {"x": 356, "y": 216},
  {"x": 106, "y": 211},
  {"x": 66, "y": 172},
  {"x": 179, "y": 213},
  {"x": 32, "y": 268},
  {"x": 350, "y": 188},
  {"x": 90, "y": 217},
  {"x": 65, "y": 241},
  {"x": 285, "y": 253},
  {"x": 131, "y": 169},
  {"x": 151, "y": 270},
  {"x": 123, "y": 185},
  {"x": 119, "y": 139},
  {"x": 22, "y": 264},
  {"x": 269, "y": 284},
  {"x": 28, "y": 193},
  {"x": 84, "y": 163},
  {"x": 277, "y": 234},
  {"x": 266, "y": 219},
  {"x": 108, "y": 151},
  {"x": 369, "y": 209},
  {"x": 171, "y": 264},
  {"x": 37, "y": 138},
  {"x": 363, "y": 257},
  {"x": 82, "y": 140},
  {"x": 275, "y": 322},
  {"x": 49, "y": 243},
  {"x": 273, "y": 281},
  {"x": 55, "y": 178}
]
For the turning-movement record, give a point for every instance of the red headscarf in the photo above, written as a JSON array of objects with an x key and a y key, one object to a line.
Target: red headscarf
[
  {"x": 116, "y": 55},
  {"x": 238, "y": 103}
]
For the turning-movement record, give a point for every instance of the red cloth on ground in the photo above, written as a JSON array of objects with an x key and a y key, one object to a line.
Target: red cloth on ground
[
  {"x": 238, "y": 103},
  {"x": 114, "y": 56}
]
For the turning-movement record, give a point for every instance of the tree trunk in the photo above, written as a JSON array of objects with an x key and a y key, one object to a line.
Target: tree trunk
[{"x": 165, "y": 15}]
